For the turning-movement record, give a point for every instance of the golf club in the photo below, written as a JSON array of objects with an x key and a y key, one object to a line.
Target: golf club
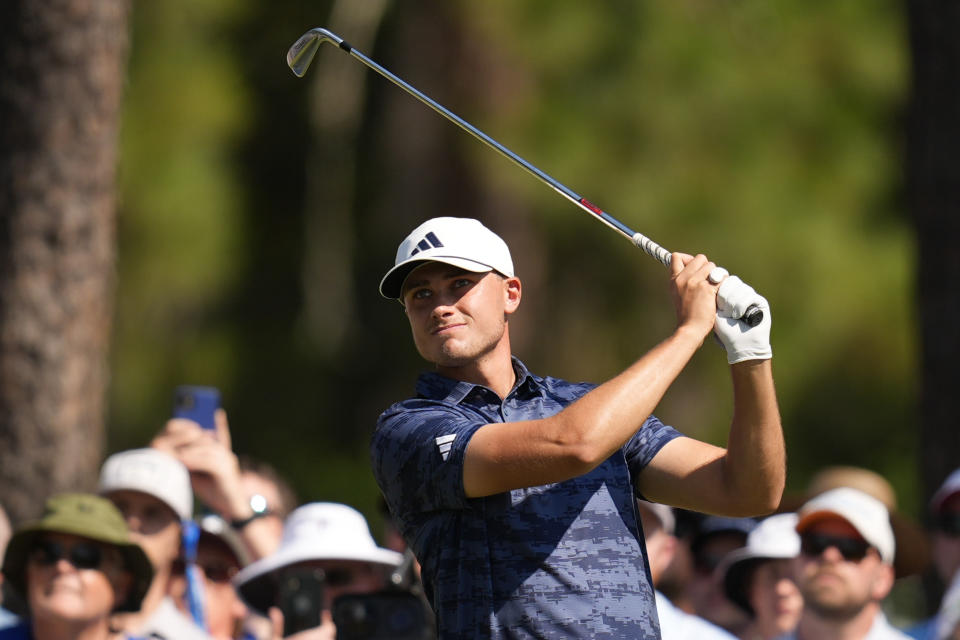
[{"x": 301, "y": 54}]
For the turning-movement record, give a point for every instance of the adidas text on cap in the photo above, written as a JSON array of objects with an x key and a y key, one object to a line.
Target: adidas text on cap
[{"x": 461, "y": 242}]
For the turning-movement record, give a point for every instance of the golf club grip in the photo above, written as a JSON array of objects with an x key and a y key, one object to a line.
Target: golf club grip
[{"x": 752, "y": 316}]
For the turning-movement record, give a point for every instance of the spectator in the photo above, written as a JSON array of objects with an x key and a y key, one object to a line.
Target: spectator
[
  {"x": 152, "y": 491},
  {"x": 944, "y": 516},
  {"x": 217, "y": 480},
  {"x": 220, "y": 555},
  {"x": 948, "y": 616},
  {"x": 332, "y": 538},
  {"x": 269, "y": 492},
  {"x": 658, "y": 523},
  {"x": 759, "y": 579},
  {"x": 676, "y": 576},
  {"x": 7, "y": 618},
  {"x": 713, "y": 538},
  {"x": 845, "y": 567},
  {"x": 913, "y": 553},
  {"x": 74, "y": 568}
]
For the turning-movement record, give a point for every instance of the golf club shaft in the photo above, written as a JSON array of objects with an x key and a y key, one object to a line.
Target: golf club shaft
[{"x": 301, "y": 53}]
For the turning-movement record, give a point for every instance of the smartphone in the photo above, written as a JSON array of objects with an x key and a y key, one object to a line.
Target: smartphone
[
  {"x": 300, "y": 599},
  {"x": 198, "y": 404}
]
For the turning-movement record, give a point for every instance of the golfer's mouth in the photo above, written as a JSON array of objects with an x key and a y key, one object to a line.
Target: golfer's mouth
[{"x": 445, "y": 328}]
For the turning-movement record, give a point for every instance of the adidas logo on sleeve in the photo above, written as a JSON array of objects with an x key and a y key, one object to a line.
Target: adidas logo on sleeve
[{"x": 444, "y": 444}]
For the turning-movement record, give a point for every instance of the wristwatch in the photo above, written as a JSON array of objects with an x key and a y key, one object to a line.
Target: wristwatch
[{"x": 258, "y": 504}]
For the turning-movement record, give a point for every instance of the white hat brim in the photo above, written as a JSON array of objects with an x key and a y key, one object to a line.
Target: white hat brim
[
  {"x": 249, "y": 582},
  {"x": 392, "y": 282}
]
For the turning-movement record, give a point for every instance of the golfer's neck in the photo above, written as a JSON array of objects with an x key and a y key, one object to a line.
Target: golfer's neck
[{"x": 493, "y": 369}]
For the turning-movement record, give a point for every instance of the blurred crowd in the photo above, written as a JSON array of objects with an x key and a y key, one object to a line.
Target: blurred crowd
[{"x": 184, "y": 540}]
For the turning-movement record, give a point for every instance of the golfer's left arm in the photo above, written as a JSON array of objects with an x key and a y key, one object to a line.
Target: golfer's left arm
[{"x": 747, "y": 477}]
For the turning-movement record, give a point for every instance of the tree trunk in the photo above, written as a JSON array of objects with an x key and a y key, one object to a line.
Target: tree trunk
[
  {"x": 933, "y": 181},
  {"x": 933, "y": 192},
  {"x": 62, "y": 65}
]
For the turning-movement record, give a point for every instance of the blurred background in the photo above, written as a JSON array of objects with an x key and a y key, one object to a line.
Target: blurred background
[{"x": 802, "y": 145}]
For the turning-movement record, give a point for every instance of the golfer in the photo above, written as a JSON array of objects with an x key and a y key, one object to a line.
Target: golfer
[{"x": 515, "y": 491}]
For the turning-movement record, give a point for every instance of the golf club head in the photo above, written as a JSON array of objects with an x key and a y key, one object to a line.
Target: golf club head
[{"x": 300, "y": 54}]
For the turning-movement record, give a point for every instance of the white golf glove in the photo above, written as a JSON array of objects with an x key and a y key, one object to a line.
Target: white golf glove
[{"x": 741, "y": 341}]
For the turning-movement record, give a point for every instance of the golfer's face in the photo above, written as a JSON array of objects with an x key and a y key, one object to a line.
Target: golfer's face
[{"x": 456, "y": 316}]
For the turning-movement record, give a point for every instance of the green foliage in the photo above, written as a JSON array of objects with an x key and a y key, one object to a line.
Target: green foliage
[{"x": 764, "y": 135}]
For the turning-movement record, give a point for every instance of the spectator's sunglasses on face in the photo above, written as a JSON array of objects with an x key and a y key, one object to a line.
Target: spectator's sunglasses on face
[
  {"x": 949, "y": 523},
  {"x": 82, "y": 555},
  {"x": 852, "y": 549},
  {"x": 338, "y": 577},
  {"x": 215, "y": 572}
]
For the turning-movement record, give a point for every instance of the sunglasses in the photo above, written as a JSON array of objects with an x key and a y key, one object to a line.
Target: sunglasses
[
  {"x": 852, "y": 549},
  {"x": 338, "y": 577},
  {"x": 83, "y": 555},
  {"x": 218, "y": 573},
  {"x": 948, "y": 523}
]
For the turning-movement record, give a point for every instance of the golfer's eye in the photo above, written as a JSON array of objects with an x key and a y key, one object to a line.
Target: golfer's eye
[
  {"x": 462, "y": 282},
  {"x": 420, "y": 294}
]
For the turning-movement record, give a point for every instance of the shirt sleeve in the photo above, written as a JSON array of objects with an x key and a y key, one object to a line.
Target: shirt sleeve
[
  {"x": 417, "y": 455},
  {"x": 646, "y": 444}
]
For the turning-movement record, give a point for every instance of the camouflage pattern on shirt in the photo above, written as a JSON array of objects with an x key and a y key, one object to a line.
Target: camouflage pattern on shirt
[{"x": 563, "y": 560}]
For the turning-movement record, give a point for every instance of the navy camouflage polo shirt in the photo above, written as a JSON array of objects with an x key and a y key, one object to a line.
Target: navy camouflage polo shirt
[{"x": 563, "y": 560}]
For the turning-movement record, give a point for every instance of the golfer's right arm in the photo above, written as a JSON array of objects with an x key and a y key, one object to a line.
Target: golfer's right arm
[{"x": 505, "y": 456}]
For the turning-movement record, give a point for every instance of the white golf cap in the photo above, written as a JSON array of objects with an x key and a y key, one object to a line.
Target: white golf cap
[
  {"x": 461, "y": 242},
  {"x": 949, "y": 487},
  {"x": 865, "y": 513},
  {"x": 315, "y": 531},
  {"x": 774, "y": 538},
  {"x": 149, "y": 471}
]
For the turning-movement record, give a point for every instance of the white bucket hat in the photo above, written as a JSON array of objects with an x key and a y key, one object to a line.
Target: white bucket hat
[
  {"x": 149, "y": 471},
  {"x": 865, "y": 513},
  {"x": 461, "y": 242},
  {"x": 315, "y": 531},
  {"x": 774, "y": 538}
]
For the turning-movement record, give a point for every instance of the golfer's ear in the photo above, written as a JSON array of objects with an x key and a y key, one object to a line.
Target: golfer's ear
[{"x": 512, "y": 290}]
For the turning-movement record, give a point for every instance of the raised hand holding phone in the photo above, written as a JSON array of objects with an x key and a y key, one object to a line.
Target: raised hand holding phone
[{"x": 198, "y": 434}]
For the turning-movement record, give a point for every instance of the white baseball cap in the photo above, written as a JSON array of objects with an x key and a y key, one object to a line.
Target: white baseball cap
[
  {"x": 774, "y": 538},
  {"x": 865, "y": 513},
  {"x": 949, "y": 487},
  {"x": 315, "y": 531},
  {"x": 149, "y": 471},
  {"x": 461, "y": 242}
]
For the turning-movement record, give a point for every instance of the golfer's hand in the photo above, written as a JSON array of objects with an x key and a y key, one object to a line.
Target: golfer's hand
[
  {"x": 694, "y": 296},
  {"x": 741, "y": 341}
]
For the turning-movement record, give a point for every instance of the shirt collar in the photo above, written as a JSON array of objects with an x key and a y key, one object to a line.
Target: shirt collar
[{"x": 434, "y": 386}]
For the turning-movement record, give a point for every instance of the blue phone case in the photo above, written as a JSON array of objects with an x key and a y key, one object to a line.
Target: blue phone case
[{"x": 197, "y": 404}]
